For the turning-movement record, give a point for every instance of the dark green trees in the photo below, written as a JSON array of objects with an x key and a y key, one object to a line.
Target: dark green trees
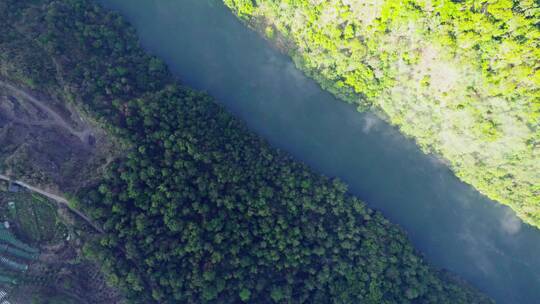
[
  {"x": 207, "y": 212},
  {"x": 200, "y": 210}
]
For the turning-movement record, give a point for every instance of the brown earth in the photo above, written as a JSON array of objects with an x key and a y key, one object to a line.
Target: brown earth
[{"x": 48, "y": 143}]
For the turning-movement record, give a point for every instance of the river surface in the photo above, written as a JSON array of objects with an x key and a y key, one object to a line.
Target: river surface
[{"x": 454, "y": 226}]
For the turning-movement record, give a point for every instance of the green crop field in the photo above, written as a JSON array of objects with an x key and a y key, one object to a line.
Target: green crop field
[{"x": 34, "y": 217}]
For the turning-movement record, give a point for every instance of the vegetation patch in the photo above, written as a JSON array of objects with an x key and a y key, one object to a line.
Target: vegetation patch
[
  {"x": 33, "y": 217},
  {"x": 460, "y": 77},
  {"x": 40, "y": 255},
  {"x": 201, "y": 210}
]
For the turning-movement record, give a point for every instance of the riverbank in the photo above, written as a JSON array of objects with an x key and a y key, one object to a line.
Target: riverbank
[
  {"x": 202, "y": 209},
  {"x": 454, "y": 226},
  {"x": 437, "y": 92}
]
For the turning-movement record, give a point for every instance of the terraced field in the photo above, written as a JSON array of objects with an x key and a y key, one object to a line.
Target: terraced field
[{"x": 40, "y": 249}]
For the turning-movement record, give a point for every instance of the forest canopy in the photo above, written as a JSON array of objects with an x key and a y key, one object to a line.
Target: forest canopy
[
  {"x": 460, "y": 77},
  {"x": 200, "y": 209}
]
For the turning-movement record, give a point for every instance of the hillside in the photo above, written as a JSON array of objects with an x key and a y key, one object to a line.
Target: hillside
[
  {"x": 460, "y": 77},
  {"x": 198, "y": 209},
  {"x": 46, "y": 140}
]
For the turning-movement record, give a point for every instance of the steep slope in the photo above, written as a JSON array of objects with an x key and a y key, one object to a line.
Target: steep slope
[
  {"x": 200, "y": 209},
  {"x": 460, "y": 77}
]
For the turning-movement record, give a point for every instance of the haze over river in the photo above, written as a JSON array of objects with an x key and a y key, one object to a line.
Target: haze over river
[{"x": 454, "y": 226}]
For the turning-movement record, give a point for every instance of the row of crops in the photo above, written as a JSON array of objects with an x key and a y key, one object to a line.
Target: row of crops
[
  {"x": 35, "y": 217},
  {"x": 19, "y": 235},
  {"x": 15, "y": 256},
  {"x": 30, "y": 222}
]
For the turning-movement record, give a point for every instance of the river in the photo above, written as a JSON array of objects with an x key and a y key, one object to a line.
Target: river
[{"x": 454, "y": 226}]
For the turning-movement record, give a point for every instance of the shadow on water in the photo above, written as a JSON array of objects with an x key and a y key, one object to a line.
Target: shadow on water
[{"x": 454, "y": 226}]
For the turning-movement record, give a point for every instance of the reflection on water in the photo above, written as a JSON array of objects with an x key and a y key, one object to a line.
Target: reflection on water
[{"x": 455, "y": 227}]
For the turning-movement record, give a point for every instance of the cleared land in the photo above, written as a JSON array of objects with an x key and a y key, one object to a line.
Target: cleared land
[
  {"x": 53, "y": 270},
  {"x": 48, "y": 143}
]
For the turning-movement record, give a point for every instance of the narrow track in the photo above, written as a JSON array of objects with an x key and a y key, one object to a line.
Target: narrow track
[
  {"x": 57, "y": 198},
  {"x": 55, "y": 117}
]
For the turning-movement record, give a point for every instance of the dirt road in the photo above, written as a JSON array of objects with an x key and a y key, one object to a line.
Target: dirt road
[
  {"x": 83, "y": 135},
  {"x": 59, "y": 199}
]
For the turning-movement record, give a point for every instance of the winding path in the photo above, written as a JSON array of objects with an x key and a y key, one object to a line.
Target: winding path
[
  {"x": 57, "y": 198},
  {"x": 82, "y": 135}
]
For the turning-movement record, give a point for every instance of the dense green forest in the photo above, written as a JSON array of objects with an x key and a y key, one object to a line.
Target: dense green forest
[
  {"x": 201, "y": 210},
  {"x": 460, "y": 77}
]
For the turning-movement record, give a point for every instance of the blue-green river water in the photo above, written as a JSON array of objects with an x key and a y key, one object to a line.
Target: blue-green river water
[{"x": 454, "y": 226}]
